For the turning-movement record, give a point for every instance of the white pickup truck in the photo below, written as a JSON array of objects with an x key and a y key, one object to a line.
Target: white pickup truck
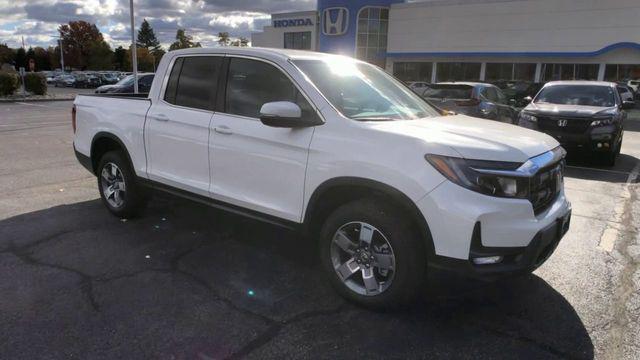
[{"x": 340, "y": 149}]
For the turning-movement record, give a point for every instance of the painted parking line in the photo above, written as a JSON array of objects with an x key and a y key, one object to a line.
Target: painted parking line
[{"x": 601, "y": 170}]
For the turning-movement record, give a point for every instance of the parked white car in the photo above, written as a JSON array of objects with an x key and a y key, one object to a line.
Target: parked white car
[
  {"x": 339, "y": 149},
  {"x": 634, "y": 84}
]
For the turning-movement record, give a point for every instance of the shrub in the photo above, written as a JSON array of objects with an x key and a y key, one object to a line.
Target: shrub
[
  {"x": 35, "y": 83},
  {"x": 8, "y": 83}
]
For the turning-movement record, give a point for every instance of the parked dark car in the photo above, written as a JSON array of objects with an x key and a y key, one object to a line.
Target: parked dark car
[
  {"x": 126, "y": 85},
  {"x": 582, "y": 115},
  {"x": 86, "y": 81},
  {"x": 108, "y": 78},
  {"x": 474, "y": 99},
  {"x": 64, "y": 80}
]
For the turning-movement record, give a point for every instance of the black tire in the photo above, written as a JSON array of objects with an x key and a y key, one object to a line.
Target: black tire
[
  {"x": 134, "y": 198},
  {"x": 407, "y": 247}
]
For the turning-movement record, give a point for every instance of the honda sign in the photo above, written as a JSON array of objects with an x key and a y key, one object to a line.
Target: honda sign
[{"x": 335, "y": 21}]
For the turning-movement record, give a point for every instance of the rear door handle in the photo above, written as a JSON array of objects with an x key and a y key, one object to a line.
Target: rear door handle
[
  {"x": 161, "y": 117},
  {"x": 224, "y": 130}
]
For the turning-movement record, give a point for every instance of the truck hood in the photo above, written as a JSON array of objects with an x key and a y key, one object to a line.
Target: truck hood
[
  {"x": 474, "y": 138},
  {"x": 567, "y": 110}
]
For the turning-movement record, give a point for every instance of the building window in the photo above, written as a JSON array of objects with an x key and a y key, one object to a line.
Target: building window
[
  {"x": 413, "y": 71},
  {"x": 615, "y": 72},
  {"x": 371, "y": 41},
  {"x": 458, "y": 71},
  {"x": 551, "y": 72},
  {"x": 509, "y": 72},
  {"x": 297, "y": 40}
]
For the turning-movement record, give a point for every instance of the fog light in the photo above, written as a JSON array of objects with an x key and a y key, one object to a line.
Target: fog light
[
  {"x": 606, "y": 145},
  {"x": 487, "y": 260},
  {"x": 599, "y": 145}
]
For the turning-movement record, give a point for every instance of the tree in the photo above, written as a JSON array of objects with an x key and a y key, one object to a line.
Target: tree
[
  {"x": 21, "y": 58},
  {"x": 223, "y": 39},
  {"x": 7, "y": 55},
  {"x": 147, "y": 38},
  {"x": 183, "y": 41},
  {"x": 79, "y": 39},
  {"x": 241, "y": 42},
  {"x": 120, "y": 60},
  {"x": 54, "y": 57},
  {"x": 41, "y": 59},
  {"x": 100, "y": 56}
]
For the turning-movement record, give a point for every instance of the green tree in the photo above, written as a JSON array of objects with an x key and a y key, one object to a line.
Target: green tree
[
  {"x": 120, "y": 60},
  {"x": 224, "y": 39},
  {"x": 7, "y": 55},
  {"x": 41, "y": 58},
  {"x": 21, "y": 58},
  {"x": 99, "y": 56},
  {"x": 183, "y": 41},
  {"x": 147, "y": 38},
  {"x": 79, "y": 39}
]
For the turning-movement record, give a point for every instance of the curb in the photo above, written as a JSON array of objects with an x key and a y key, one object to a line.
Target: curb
[{"x": 34, "y": 100}]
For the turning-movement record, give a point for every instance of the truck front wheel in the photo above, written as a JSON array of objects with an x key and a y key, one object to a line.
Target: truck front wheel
[
  {"x": 117, "y": 185},
  {"x": 372, "y": 254}
]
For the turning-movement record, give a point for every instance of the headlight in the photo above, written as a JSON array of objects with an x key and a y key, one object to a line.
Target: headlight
[
  {"x": 527, "y": 117},
  {"x": 602, "y": 121},
  {"x": 482, "y": 176}
]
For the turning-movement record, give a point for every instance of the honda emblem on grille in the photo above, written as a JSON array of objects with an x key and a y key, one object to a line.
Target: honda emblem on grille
[{"x": 562, "y": 123}]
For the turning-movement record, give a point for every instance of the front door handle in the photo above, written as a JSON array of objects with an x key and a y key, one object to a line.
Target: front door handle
[
  {"x": 161, "y": 117},
  {"x": 224, "y": 130}
]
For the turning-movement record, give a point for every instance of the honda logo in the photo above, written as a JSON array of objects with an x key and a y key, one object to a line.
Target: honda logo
[
  {"x": 335, "y": 21},
  {"x": 562, "y": 123}
]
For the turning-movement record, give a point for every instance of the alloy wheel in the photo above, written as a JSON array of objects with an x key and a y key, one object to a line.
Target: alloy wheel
[
  {"x": 113, "y": 185},
  {"x": 363, "y": 258}
]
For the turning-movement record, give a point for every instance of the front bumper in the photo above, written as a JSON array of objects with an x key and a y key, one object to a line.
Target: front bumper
[{"x": 465, "y": 225}]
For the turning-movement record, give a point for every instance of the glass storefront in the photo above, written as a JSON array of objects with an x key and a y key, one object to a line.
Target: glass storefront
[
  {"x": 614, "y": 72},
  {"x": 510, "y": 71},
  {"x": 553, "y": 72},
  {"x": 297, "y": 40},
  {"x": 458, "y": 71},
  {"x": 413, "y": 71},
  {"x": 371, "y": 42}
]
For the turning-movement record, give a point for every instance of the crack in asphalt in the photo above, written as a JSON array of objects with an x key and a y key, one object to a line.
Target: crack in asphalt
[{"x": 625, "y": 289}]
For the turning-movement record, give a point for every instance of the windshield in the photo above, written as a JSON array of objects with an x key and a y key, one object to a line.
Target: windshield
[
  {"x": 449, "y": 92},
  {"x": 586, "y": 95},
  {"x": 364, "y": 92}
]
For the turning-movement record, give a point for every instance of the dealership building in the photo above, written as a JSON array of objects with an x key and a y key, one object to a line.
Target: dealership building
[{"x": 485, "y": 40}]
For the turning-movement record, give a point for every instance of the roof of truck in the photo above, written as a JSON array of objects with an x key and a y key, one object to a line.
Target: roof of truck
[
  {"x": 284, "y": 54},
  {"x": 580, "y": 82}
]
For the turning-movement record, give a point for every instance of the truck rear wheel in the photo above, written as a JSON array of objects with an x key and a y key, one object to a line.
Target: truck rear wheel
[
  {"x": 372, "y": 255},
  {"x": 117, "y": 185}
]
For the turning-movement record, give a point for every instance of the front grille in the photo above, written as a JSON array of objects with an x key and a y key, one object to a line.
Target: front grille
[
  {"x": 574, "y": 125},
  {"x": 545, "y": 186}
]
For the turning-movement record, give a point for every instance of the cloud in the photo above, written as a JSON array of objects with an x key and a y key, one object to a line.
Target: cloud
[{"x": 38, "y": 20}]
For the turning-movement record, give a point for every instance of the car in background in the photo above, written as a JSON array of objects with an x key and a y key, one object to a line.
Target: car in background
[
  {"x": 582, "y": 115},
  {"x": 520, "y": 93},
  {"x": 470, "y": 98},
  {"x": 634, "y": 84},
  {"x": 108, "y": 78},
  {"x": 418, "y": 86},
  {"x": 86, "y": 80},
  {"x": 65, "y": 80},
  {"x": 125, "y": 85},
  {"x": 626, "y": 92},
  {"x": 49, "y": 75}
]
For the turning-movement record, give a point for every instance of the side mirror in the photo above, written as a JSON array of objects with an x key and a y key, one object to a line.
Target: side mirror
[
  {"x": 628, "y": 105},
  {"x": 283, "y": 114},
  {"x": 527, "y": 99}
]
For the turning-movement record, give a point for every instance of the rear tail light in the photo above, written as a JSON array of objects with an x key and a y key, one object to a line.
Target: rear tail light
[
  {"x": 470, "y": 102},
  {"x": 73, "y": 118}
]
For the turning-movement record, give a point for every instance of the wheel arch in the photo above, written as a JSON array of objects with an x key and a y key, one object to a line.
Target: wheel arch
[
  {"x": 338, "y": 191},
  {"x": 102, "y": 143}
]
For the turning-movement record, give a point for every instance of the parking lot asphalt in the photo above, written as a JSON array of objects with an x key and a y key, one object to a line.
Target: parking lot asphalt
[{"x": 189, "y": 282}]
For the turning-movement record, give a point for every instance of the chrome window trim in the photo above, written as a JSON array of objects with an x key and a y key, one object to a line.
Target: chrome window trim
[{"x": 532, "y": 166}]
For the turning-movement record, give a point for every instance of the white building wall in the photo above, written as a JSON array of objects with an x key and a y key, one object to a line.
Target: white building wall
[
  {"x": 273, "y": 37},
  {"x": 512, "y": 25}
]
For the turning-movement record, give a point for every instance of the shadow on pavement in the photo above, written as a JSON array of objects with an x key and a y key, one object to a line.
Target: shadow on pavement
[
  {"x": 586, "y": 167},
  {"x": 187, "y": 281}
]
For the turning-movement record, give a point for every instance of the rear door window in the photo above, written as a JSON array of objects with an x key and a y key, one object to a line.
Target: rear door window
[{"x": 193, "y": 82}]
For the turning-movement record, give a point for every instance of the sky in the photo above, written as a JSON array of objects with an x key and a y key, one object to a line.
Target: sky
[{"x": 38, "y": 20}]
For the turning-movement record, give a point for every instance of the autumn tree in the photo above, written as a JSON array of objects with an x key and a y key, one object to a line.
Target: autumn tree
[
  {"x": 80, "y": 40},
  {"x": 183, "y": 41},
  {"x": 7, "y": 55},
  {"x": 21, "y": 58}
]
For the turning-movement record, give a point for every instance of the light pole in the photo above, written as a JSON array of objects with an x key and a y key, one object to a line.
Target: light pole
[
  {"x": 61, "y": 51},
  {"x": 134, "y": 51}
]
